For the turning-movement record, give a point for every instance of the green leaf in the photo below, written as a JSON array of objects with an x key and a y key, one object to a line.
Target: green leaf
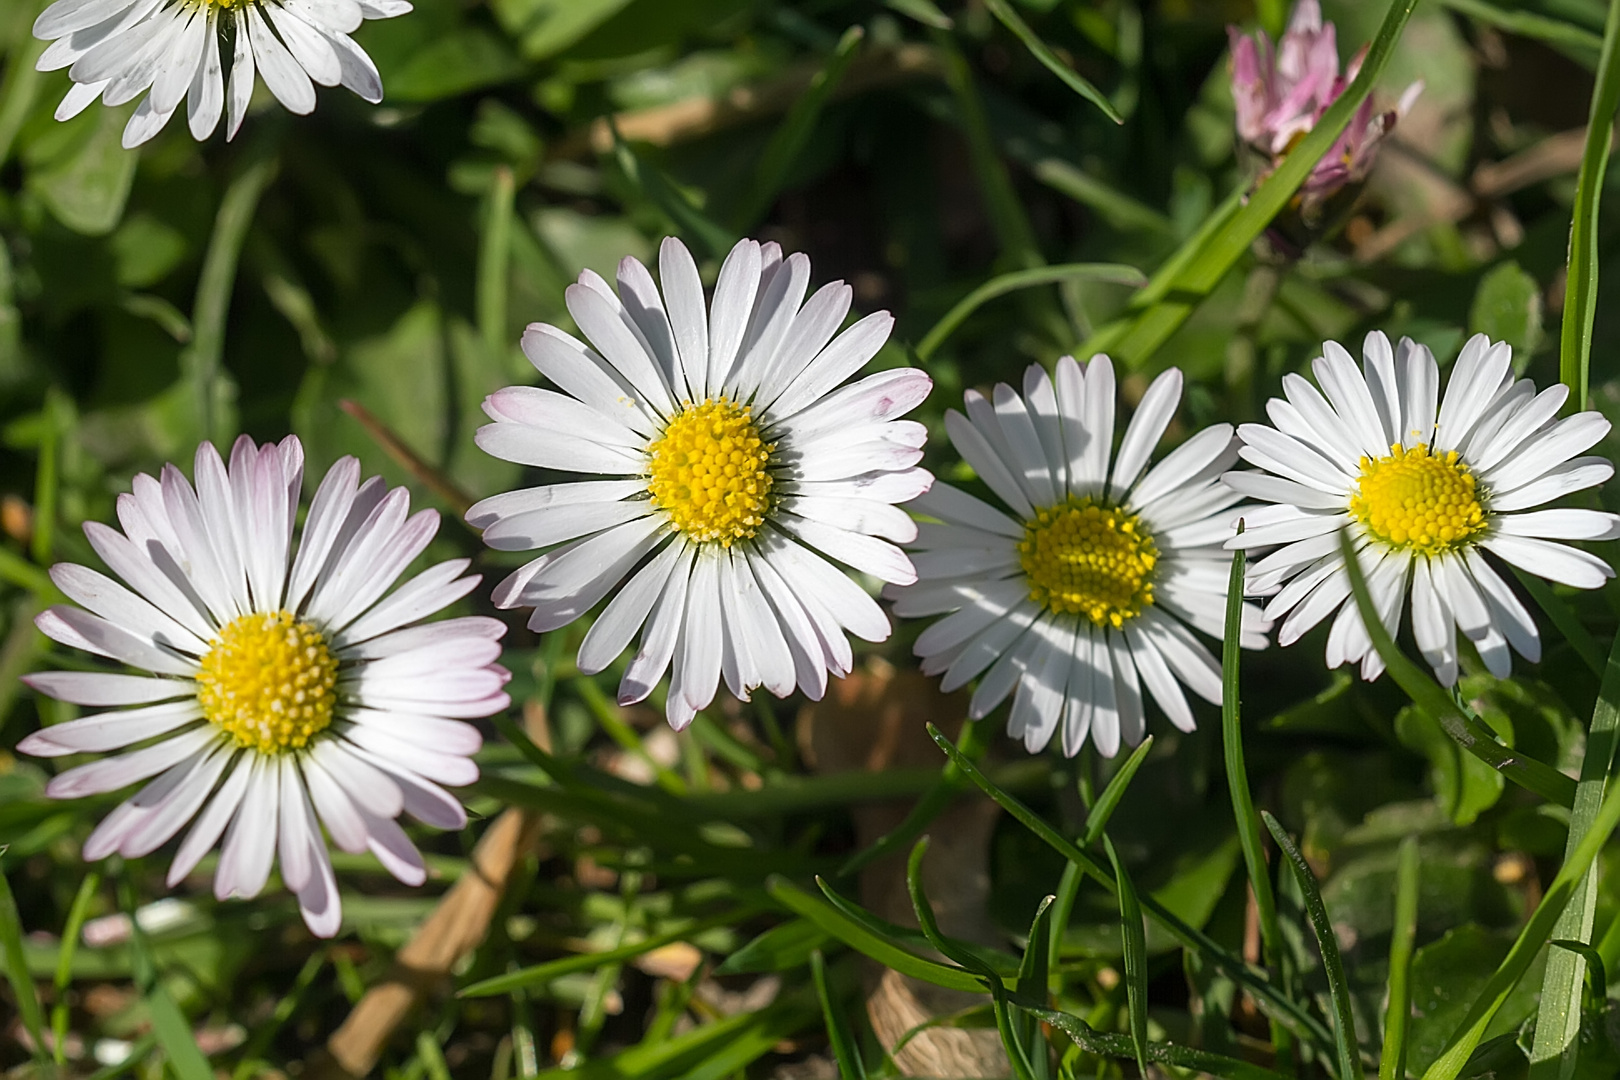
[
  {"x": 1050, "y": 60},
  {"x": 662, "y": 193},
  {"x": 1558, "y": 1023},
  {"x": 781, "y": 948},
  {"x": 1103, "y": 809},
  {"x": 1022, "y": 279},
  {"x": 1134, "y": 939},
  {"x": 169, "y": 1024},
  {"x": 1237, "y": 782},
  {"x": 924, "y": 11},
  {"x": 16, "y": 965},
  {"x": 87, "y": 187},
  {"x": 1181, "y": 1057},
  {"x": 1530, "y": 940},
  {"x": 860, "y": 938},
  {"x": 1465, "y": 785},
  {"x": 1428, "y": 695},
  {"x": 1398, "y": 1010},
  {"x": 1564, "y": 618},
  {"x": 469, "y": 58},
  {"x": 1344, "y": 1023},
  {"x": 547, "y": 27},
  {"x": 88, "y": 887},
  {"x": 1507, "y": 307},
  {"x": 846, "y": 1050},
  {"x": 1530, "y": 25},
  {"x": 1580, "y": 287},
  {"x": 793, "y": 133},
  {"x": 1205, "y": 259},
  {"x": 1447, "y": 975}
]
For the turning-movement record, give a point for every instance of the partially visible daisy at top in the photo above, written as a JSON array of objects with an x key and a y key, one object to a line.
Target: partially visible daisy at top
[
  {"x": 284, "y": 686},
  {"x": 1427, "y": 485},
  {"x": 116, "y": 50},
  {"x": 1281, "y": 92},
  {"x": 1087, "y": 587},
  {"x": 735, "y": 463}
]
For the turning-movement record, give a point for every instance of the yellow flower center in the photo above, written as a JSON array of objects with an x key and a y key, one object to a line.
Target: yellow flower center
[
  {"x": 1414, "y": 499},
  {"x": 226, "y": 4},
  {"x": 1083, "y": 557},
  {"x": 269, "y": 682},
  {"x": 707, "y": 472}
]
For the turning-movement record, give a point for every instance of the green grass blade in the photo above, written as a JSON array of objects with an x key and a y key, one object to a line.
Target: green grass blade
[
  {"x": 88, "y": 888},
  {"x": 1595, "y": 967},
  {"x": 202, "y": 362},
  {"x": 661, "y": 192},
  {"x": 1398, "y": 1011},
  {"x": 1344, "y": 1024},
  {"x": 846, "y": 1050},
  {"x": 169, "y": 1024},
  {"x": 1201, "y": 272},
  {"x": 1429, "y": 696},
  {"x": 1563, "y": 617},
  {"x": 1002, "y": 10},
  {"x": 540, "y": 974},
  {"x": 1105, "y": 1045},
  {"x": 863, "y": 940},
  {"x": 1134, "y": 939},
  {"x": 1558, "y": 1023},
  {"x": 1112, "y": 205},
  {"x": 494, "y": 261},
  {"x": 1580, "y": 287},
  {"x": 1253, "y": 979},
  {"x": 1237, "y": 782},
  {"x": 924, "y": 11},
  {"x": 786, "y": 945},
  {"x": 1530, "y": 25},
  {"x": 792, "y": 135},
  {"x": 1022, "y": 279},
  {"x": 1103, "y": 809},
  {"x": 1536, "y": 932},
  {"x": 16, "y": 965}
]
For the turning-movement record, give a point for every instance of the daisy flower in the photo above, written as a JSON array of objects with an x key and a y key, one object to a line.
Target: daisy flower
[
  {"x": 116, "y": 50},
  {"x": 281, "y": 691},
  {"x": 1085, "y": 591},
  {"x": 736, "y": 460},
  {"x": 1426, "y": 484}
]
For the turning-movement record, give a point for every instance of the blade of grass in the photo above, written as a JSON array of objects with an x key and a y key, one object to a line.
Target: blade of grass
[
  {"x": 169, "y": 1024},
  {"x": 863, "y": 940},
  {"x": 845, "y": 1048},
  {"x": 494, "y": 261},
  {"x": 1103, "y": 809},
  {"x": 1558, "y": 1022},
  {"x": 1034, "y": 977},
  {"x": 1254, "y": 979},
  {"x": 201, "y": 362},
  {"x": 1050, "y": 60},
  {"x": 1197, "y": 277},
  {"x": 1344, "y": 1025},
  {"x": 64, "y": 961},
  {"x": 786, "y": 945},
  {"x": 1022, "y": 279},
  {"x": 58, "y": 417},
  {"x": 987, "y": 959},
  {"x": 924, "y": 11},
  {"x": 1115, "y": 207},
  {"x": 1530, "y": 25},
  {"x": 1596, "y": 969},
  {"x": 1237, "y": 783},
  {"x": 1430, "y": 697},
  {"x": 1398, "y": 1012},
  {"x": 776, "y": 161},
  {"x": 1563, "y": 616},
  {"x": 1580, "y": 286},
  {"x": 16, "y": 965},
  {"x": 1134, "y": 939},
  {"x": 427, "y": 475},
  {"x": 1536, "y": 932},
  {"x": 540, "y": 974},
  {"x": 1106, "y": 1045},
  {"x": 663, "y": 193}
]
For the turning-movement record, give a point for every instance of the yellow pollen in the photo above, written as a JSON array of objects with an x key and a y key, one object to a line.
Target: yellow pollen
[
  {"x": 1083, "y": 557},
  {"x": 269, "y": 682},
  {"x": 226, "y": 4},
  {"x": 708, "y": 472},
  {"x": 1413, "y": 499}
]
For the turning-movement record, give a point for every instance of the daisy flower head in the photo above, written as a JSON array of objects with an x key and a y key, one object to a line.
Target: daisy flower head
[
  {"x": 1427, "y": 483},
  {"x": 737, "y": 462},
  {"x": 1082, "y": 589},
  {"x": 117, "y": 50},
  {"x": 281, "y": 690}
]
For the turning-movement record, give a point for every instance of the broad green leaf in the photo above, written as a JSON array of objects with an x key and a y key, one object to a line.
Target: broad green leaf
[
  {"x": 1465, "y": 785},
  {"x": 86, "y": 188},
  {"x": 1507, "y": 307},
  {"x": 547, "y": 27},
  {"x": 469, "y": 58},
  {"x": 780, "y": 948}
]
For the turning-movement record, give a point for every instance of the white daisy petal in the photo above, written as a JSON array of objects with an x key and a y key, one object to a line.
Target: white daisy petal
[
  {"x": 1147, "y": 427},
  {"x": 1555, "y": 562}
]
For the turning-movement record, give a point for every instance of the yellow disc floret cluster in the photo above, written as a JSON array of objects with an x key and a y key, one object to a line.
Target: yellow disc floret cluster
[
  {"x": 269, "y": 682},
  {"x": 708, "y": 472},
  {"x": 1084, "y": 557},
  {"x": 1418, "y": 500}
]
